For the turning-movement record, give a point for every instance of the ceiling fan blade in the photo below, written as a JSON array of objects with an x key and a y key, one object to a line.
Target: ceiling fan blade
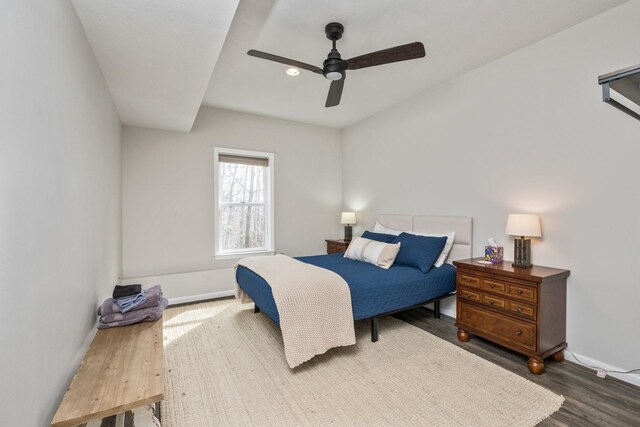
[
  {"x": 335, "y": 92},
  {"x": 386, "y": 56},
  {"x": 286, "y": 61}
]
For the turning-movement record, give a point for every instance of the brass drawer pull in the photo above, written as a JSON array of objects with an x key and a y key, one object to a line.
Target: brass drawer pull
[
  {"x": 519, "y": 291},
  {"x": 467, "y": 295},
  {"x": 492, "y": 302},
  {"x": 468, "y": 280},
  {"x": 519, "y": 310},
  {"x": 493, "y": 285},
  {"x": 518, "y": 332},
  {"x": 468, "y": 315}
]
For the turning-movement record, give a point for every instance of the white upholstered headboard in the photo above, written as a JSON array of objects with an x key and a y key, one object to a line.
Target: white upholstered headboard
[{"x": 462, "y": 225}]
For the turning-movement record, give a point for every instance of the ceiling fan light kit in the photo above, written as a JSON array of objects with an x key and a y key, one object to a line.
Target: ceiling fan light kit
[{"x": 334, "y": 68}]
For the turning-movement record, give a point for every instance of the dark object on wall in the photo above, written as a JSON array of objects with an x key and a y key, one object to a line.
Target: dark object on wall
[
  {"x": 335, "y": 68},
  {"x": 626, "y": 82}
]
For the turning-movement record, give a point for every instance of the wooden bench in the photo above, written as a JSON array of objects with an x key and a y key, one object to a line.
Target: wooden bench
[{"x": 122, "y": 370}]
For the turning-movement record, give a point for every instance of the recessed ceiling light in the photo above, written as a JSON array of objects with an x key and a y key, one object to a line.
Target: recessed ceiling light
[{"x": 291, "y": 71}]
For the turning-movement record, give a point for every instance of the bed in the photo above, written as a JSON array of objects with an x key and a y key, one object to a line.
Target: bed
[{"x": 376, "y": 292}]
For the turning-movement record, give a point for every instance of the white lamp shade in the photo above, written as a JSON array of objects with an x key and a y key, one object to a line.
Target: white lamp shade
[
  {"x": 348, "y": 218},
  {"x": 523, "y": 225}
]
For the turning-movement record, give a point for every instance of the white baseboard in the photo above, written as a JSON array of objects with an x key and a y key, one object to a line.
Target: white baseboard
[
  {"x": 633, "y": 378},
  {"x": 201, "y": 297}
]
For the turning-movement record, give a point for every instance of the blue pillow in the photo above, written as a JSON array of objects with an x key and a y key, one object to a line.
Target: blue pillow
[
  {"x": 379, "y": 237},
  {"x": 419, "y": 251}
]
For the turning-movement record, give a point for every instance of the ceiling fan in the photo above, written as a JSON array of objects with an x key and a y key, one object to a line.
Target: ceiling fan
[{"x": 335, "y": 68}]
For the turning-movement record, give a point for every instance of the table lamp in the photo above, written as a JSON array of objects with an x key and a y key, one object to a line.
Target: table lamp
[
  {"x": 348, "y": 219},
  {"x": 523, "y": 225}
]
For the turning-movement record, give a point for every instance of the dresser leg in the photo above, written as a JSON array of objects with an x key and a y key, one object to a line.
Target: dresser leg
[
  {"x": 463, "y": 335},
  {"x": 559, "y": 356},
  {"x": 536, "y": 366}
]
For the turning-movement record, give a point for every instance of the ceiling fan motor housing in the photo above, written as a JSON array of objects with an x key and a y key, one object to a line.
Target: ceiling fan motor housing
[
  {"x": 333, "y": 66},
  {"x": 334, "y": 31}
]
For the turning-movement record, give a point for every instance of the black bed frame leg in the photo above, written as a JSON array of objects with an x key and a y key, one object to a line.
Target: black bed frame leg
[
  {"x": 436, "y": 309},
  {"x": 256, "y": 309},
  {"x": 374, "y": 329}
]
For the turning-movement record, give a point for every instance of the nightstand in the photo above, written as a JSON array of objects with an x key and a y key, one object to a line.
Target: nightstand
[
  {"x": 337, "y": 246},
  {"x": 523, "y": 309}
]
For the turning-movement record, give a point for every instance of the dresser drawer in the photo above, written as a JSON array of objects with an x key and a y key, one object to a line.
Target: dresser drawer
[
  {"x": 336, "y": 248},
  {"x": 493, "y": 285},
  {"x": 504, "y": 329},
  {"x": 468, "y": 280},
  {"x": 494, "y": 301},
  {"x": 468, "y": 294},
  {"x": 523, "y": 310},
  {"x": 524, "y": 293}
]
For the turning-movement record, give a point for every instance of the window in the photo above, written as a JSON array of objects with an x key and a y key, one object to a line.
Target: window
[{"x": 244, "y": 202}]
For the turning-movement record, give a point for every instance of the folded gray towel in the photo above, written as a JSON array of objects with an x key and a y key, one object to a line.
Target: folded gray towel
[
  {"x": 149, "y": 314},
  {"x": 152, "y": 299}
]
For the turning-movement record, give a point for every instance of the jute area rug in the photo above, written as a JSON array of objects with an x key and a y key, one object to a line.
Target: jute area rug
[{"x": 225, "y": 366}]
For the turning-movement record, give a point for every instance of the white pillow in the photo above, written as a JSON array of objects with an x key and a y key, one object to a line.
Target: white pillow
[
  {"x": 379, "y": 228},
  {"x": 377, "y": 253}
]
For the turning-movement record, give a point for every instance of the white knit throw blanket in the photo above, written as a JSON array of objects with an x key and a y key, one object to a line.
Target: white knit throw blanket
[{"x": 314, "y": 305}]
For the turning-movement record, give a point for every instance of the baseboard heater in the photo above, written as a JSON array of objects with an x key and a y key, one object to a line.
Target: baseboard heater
[{"x": 625, "y": 82}]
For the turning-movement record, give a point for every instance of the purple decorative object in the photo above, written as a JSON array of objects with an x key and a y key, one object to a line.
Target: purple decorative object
[{"x": 493, "y": 253}]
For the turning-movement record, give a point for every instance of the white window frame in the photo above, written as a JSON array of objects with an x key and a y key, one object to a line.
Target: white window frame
[{"x": 269, "y": 202}]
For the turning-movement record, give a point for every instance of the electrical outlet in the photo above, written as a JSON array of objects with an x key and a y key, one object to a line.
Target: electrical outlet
[{"x": 601, "y": 373}]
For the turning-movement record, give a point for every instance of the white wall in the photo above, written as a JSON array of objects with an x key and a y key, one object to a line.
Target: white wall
[
  {"x": 60, "y": 245},
  {"x": 168, "y": 202},
  {"x": 527, "y": 133}
]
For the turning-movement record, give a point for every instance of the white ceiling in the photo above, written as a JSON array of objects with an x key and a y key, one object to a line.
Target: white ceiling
[
  {"x": 458, "y": 35},
  {"x": 157, "y": 55}
]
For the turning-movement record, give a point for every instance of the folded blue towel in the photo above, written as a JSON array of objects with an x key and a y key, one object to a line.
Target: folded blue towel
[{"x": 129, "y": 303}]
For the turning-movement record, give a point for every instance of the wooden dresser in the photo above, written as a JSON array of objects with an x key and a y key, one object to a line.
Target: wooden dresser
[
  {"x": 523, "y": 309},
  {"x": 337, "y": 246}
]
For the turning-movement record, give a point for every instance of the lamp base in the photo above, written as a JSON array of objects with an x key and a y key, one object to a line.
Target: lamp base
[
  {"x": 522, "y": 253},
  {"x": 348, "y": 233},
  {"x": 521, "y": 265}
]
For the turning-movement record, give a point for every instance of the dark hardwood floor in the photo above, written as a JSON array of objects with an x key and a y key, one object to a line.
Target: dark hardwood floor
[{"x": 589, "y": 400}]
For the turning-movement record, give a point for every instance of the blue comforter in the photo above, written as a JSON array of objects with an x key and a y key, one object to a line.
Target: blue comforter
[{"x": 374, "y": 290}]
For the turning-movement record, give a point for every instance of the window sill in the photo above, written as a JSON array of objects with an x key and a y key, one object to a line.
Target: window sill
[{"x": 239, "y": 255}]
